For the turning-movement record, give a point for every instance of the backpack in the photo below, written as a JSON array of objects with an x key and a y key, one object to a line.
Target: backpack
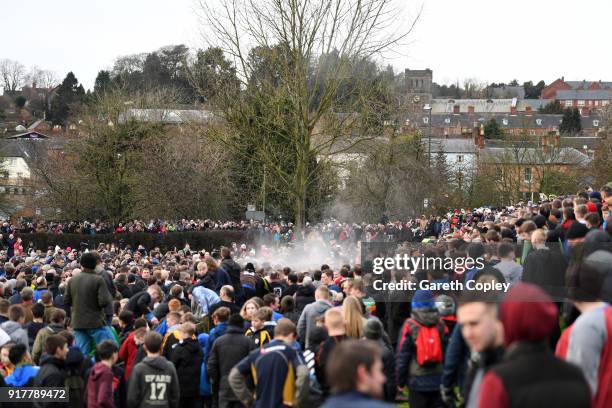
[{"x": 427, "y": 341}]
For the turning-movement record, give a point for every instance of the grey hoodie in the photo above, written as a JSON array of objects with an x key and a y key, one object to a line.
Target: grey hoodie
[
  {"x": 308, "y": 317},
  {"x": 16, "y": 332},
  {"x": 158, "y": 375}
]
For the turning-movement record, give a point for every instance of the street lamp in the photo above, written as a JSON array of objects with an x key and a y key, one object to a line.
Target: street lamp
[{"x": 428, "y": 108}]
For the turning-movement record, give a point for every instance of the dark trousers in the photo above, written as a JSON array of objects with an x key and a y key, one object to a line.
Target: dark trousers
[
  {"x": 425, "y": 399},
  {"x": 191, "y": 402}
]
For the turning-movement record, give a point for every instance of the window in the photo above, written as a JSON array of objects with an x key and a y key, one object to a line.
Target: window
[
  {"x": 532, "y": 132},
  {"x": 569, "y": 103},
  {"x": 459, "y": 158},
  {"x": 425, "y": 120},
  {"x": 596, "y": 123},
  {"x": 19, "y": 174},
  {"x": 460, "y": 179},
  {"x": 505, "y": 122},
  {"x": 528, "y": 174},
  {"x": 580, "y": 103},
  {"x": 539, "y": 122},
  {"x": 447, "y": 120}
]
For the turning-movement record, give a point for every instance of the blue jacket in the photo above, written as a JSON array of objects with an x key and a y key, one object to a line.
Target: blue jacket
[
  {"x": 455, "y": 360},
  {"x": 214, "y": 335},
  {"x": 23, "y": 376},
  {"x": 354, "y": 399},
  {"x": 205, "y": 386}
]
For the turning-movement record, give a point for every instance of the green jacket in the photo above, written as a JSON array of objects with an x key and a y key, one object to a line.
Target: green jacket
[{"x": 87, "y": 295}]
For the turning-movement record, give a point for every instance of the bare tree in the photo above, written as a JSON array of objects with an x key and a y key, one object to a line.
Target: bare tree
[
  {"x": 293, "y": 108},
  {"x": 43, "y": 78},
  {"x": 12, "y": 74}
]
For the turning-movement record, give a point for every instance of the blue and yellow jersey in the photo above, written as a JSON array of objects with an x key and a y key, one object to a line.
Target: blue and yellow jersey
[{"x": 272, "y": 370}]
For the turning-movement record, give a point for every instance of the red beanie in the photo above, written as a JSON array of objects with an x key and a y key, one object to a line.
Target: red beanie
[{"x": 591, "y": 206}]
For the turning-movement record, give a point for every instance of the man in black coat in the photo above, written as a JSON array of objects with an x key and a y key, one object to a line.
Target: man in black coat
[
  {"x": 141, "y": 303},
  {"x": 52, "y": 368},
  {"x": 227, "y": 351},
  {"x": 187, "y": 358},
  {"x": 233, "y": 270}
]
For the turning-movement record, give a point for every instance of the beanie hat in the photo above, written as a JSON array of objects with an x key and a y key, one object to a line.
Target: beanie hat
[
  {"x": 249, "y": 267},
  {"x": 596, "y": 195},
  {"x": 445, "y": 305},
  {"x": 576, "y": 230},
  {"x": 591, "y": 206},
  {"x": 373, "y": 329},
  {"x": 423, "y": 299},
  {"x": 527, "y": 314}
]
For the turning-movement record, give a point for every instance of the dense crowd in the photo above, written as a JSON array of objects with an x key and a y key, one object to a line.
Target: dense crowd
[{"x": 296, "y": 322}]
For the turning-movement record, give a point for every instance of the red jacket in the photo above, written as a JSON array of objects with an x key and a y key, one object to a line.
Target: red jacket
[
  {"x": 99, "y": 391},
  {"x": 127, "y": 354}
]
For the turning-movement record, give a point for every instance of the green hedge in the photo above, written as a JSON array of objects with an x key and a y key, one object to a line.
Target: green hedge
[{"x": 197, "y": 240}]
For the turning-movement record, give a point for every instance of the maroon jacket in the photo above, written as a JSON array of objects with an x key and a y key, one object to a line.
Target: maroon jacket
[{"x": 99, "y": 392}]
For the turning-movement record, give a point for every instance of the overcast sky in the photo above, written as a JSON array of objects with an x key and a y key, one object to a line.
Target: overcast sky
[{"x": 493, "y": 41}]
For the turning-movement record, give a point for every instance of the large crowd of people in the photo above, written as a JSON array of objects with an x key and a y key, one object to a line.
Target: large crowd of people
[{"x": 294, "y": 321}]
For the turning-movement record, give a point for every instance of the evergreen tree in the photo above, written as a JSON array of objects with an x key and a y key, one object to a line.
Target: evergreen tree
[
  {"x": 492, "y": 129},
  {"x": 570, "y": 124},
  {"x": 576, "y": 119},
  {"x": 553, "y": 107},
  {"x": 69, "y": 94},
  {"x": 103, "y": 82}
]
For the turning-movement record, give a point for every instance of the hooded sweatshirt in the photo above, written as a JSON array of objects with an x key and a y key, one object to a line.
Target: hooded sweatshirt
[
  {"x": 16, "y": 332},
  {"x": 530, "y": 375},
  {"x": 99, "y": 392},
  {"x": 308, "y": 317},
  {"x": 154, "y": 384},
  {"x": 187, "y": 358}
]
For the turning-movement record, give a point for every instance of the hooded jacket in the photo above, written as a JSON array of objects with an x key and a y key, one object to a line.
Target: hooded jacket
[
  {"x": 16, "y": 332},
  {"x": 87, "y": 295},
  {"x": 233, "y": 270},
  {"x": 427, "y": 377},
  {"x": 99, "y": 392},
  {"x": 304, "y": 295},
  {"x": 51, "y": 374},
  {"x": 127, "y": 354},
  {"x": 41, "y": 338},
  {"x": 154, "y": 375},
  {"x": 530, "y": 375},
  {"x": 187, "y": 358},
  {"x": 227, "y": 351},
  {"x": 22, "y": 376},
  {"x": 307, "y": 319}
]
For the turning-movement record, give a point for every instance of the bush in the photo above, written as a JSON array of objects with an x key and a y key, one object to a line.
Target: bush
[{"x": 20, "y": 101}]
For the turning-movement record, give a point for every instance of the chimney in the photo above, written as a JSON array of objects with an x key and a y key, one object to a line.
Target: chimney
[
  {"x": 563, "y": 79},
  {"x": 456, "y": 109},
  {"x": 471, "y": 110},
  {"x": 513, "y": 110},
  {"x": 481, "y": 137}
]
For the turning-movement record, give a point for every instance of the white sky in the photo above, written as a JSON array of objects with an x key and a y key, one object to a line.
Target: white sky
[{"x": 490, "y": 40}]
